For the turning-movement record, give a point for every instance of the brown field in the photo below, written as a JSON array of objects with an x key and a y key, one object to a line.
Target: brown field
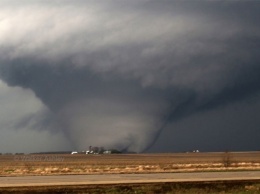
[{"x": 17, "y": 165}]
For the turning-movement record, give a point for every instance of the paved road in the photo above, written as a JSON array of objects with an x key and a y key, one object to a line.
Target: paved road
[{"x": 125, "y": 178}]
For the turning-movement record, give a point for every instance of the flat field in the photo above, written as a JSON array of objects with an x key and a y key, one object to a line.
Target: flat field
[{"x": 49, "y": 164}]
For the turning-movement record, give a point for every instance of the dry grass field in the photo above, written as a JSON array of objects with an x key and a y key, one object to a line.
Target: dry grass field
[{"x": 17, "y": 165}]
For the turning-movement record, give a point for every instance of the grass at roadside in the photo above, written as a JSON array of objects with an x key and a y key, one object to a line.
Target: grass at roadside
[{"x": 227, "y": 187}]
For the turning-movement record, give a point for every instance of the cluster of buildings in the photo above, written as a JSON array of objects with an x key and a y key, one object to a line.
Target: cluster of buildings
[{"x": 97, "y": 150}]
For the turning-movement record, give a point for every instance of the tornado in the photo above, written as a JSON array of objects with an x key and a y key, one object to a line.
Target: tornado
[{"x": 116, "y": 74}]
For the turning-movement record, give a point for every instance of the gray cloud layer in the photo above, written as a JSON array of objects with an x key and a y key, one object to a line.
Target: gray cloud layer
[{"x": 116, "y": 73}]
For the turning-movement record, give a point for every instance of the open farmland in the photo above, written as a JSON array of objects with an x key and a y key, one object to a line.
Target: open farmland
[{"x": 15, "y": 165}]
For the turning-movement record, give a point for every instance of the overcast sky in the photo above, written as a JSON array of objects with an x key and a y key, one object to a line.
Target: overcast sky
[{"x": 139, "y": 75}]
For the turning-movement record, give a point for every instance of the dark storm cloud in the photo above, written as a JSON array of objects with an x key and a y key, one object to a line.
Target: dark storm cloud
[
  {"x": 63, "y": 88},
  {"x": 117, "y": 73}
]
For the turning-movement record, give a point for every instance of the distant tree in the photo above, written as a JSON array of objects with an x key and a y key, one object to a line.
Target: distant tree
[
  {"x": 227, "y": 159},
  {"x": 19, "y": 153},
  {"x": 115, "y": 151}
]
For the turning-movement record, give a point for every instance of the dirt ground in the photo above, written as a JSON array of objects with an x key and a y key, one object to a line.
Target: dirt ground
[{"x": 47, "y": 164}]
